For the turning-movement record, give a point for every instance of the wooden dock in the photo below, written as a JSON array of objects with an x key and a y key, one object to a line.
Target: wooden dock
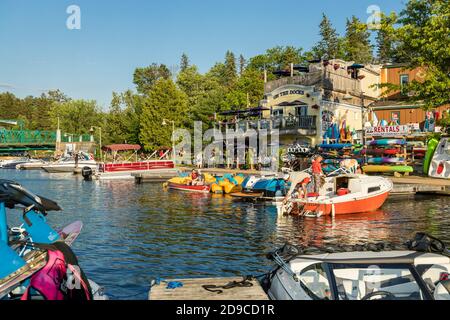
[
  {"x": 192, "y": 289},
  {"x": 412, "y": 185},
  {"x": 154, "y": 177}
]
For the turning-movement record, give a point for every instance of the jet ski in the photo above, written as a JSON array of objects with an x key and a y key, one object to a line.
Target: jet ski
[
  {"x": 29, "y": 252},
  {"x": 417, "y": 270}
]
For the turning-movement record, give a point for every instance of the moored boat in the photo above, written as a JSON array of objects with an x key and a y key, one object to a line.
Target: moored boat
[
  {"x": 417, "y": 270},
  {"x": 343, "y": 194},
  {"x": 32, "y": 164},
  {"x": 189, "y": 188},
  {"x": 68, "y": 164},
  {"x": 126, "y": 169}
]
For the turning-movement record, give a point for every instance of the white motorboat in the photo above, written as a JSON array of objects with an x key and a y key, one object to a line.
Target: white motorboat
[
  {"x": 69, "y": 164},
  {"x": 343, "y": 194},
  {"x": 373, "y": 272},
  {"x": 32, "y": 164},
  {"x": 11, "y": 164}
]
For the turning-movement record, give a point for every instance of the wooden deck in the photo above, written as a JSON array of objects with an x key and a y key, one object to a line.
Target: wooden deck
[
  {"x": 420, "y": 185},
  {"x": 192, "y": 290}
]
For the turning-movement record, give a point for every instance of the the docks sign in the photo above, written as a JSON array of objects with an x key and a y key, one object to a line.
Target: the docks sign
[
  {"x": 387, "y": 131},
  {"x": 289, "y": 92}
]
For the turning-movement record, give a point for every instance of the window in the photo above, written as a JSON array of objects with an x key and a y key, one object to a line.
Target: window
[
  {"x": 404, "y": 80},
  {"x": 314, "y": 282},
  {"x": 354, "y": 282},
  {"x": 373, "y": 189}
]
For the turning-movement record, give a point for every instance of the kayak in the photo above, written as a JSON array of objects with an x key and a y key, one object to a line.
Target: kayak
[
  {"x": 380, "y": 151},
  {"x": 184, "y": 187},
  {"x": 385, "y": 160},
  {"x": 335, "y": 146},
  {"x": 432, "y": 145},
  {"x": 401, "y": 169},
  {"x": 387, "y": 142}
]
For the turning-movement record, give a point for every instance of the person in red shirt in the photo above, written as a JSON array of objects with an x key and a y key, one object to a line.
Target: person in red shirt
[{"x": 317, "y": 173}]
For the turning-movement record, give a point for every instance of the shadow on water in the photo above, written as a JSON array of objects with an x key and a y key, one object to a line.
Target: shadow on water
[{"x": 133, "y": 233}]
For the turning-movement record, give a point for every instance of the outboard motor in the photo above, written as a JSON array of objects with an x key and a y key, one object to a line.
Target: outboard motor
[{"x": 87, "y": 173}]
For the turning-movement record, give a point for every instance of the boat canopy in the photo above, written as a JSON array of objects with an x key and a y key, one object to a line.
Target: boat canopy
[{"x": 122, "y": 147}]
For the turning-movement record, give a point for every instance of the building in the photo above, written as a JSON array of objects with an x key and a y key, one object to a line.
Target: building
[
  {"x": 393, "y": 107},
  {"x": 308, "y": 100}
]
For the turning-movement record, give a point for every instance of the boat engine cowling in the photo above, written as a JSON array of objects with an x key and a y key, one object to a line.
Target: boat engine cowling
[{"x": 87, "y": 173}]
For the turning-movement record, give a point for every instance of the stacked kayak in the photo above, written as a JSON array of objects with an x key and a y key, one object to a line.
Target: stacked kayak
[{"x": 387, "y": 156}]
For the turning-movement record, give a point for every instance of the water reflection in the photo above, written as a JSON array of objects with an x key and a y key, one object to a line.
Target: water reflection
[{"x": 135, "y": 232}]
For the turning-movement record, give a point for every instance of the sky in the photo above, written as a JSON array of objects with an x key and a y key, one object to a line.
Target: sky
[{"x": 38, "y": 52}]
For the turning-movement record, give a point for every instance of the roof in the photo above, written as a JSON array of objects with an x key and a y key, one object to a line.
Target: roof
[
  {"x": 122, "y": 147},
  {"x": 394, "y": 104}
]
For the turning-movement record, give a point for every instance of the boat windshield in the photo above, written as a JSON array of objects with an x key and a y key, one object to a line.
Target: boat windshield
[{"x": 374, "y": 282}]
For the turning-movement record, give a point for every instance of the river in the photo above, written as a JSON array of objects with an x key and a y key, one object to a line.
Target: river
[{"x": 133, "y": 233}]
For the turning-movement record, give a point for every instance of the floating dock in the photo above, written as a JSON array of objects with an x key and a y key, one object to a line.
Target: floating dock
[
  {"x": 153, "y": 177},
  {"x": 419, "y": 185},
  {"x": 192, "y": 289}
]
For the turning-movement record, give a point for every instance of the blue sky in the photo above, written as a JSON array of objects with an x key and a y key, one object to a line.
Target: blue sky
[{"x": 39, "y": 53}]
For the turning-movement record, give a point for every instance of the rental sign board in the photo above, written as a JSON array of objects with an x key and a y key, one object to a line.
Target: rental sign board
[{"x": 387, "y": 131}]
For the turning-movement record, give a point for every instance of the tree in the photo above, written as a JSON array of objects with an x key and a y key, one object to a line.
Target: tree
[
  {"x": 144, "y": 78},
  {"x": 424, "y": 42},
  {"x": 230, "y": 70},
  {"x": 387, "y": 39},
  {"x": 357, "y": 42},
  {"x": 164, "y": 101},
  {"x": 329, "y": 45},
  {"x": 242, "y": 64},
  {"x": 276, "y": 58},
  {"x": 76, "y": 116},
  {"x": 184, "y": 63}
]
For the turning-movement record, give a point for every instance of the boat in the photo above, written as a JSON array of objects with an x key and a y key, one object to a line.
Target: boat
[
  {"x": 189, "y": 188},
  {"x": 125, "y": 169},
  {"x": 440, "y": 163},
  {"x": 346, "y": 193},
  {"x": 11, "y": 164},
  {"x": 32, "y": 164},
  {"x": 68, "y": 164},
  {"x": 417, "y": 270}
]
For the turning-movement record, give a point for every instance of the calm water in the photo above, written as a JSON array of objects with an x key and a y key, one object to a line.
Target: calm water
[{"x": 133, "y": 233}]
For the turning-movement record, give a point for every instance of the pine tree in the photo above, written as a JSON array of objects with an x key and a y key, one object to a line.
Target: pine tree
[
  {"x": 357, "y": 42},
  {"x": 329, "y": 45},
  {"x": 242, "y": 64},
  {"x": 184, "y": 63},
  {"x": 386, "y": 39},
  {"x": 230, "y": 68}
]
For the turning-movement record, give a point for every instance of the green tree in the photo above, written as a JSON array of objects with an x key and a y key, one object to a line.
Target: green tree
[
  {"x": 276, "y": 58},
  {"x": 230, "y": 70},
  {"x": 242, "y": 64},
  {"x": 164, "y": 101},
  {"x": 144, "y": 78},
  {"x": 387, "y": 39},
  {"x": 184, "y": 63},
  {"x": 76, "y": 116},
  {"x": 329, "y": 45},
  {"x": 357, "y": 42}
]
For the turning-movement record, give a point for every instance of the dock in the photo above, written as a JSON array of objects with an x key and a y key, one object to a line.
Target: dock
[
  {"x": 412, "y": 185},
  {"x": 192, "y": 289},
  {"x": 154, "y": 177}
]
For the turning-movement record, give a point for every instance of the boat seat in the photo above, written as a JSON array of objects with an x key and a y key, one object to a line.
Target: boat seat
[{"x": 343, "y": 191}]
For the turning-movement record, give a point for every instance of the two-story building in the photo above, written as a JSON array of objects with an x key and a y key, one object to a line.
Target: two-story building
[
  {"x": 394, "y": 107},
  {"x": 305, "y": 103}
]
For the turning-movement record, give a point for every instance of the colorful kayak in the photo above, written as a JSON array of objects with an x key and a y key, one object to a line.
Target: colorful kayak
[
  {"x": 380, "y": 151},
  {"x": 385, "y": 160},
  {"x": 184, "y": 187},
  {"x": 387, "y": 142},
  {"x": 377, "y": 169},
  {"x": 440, "y": 163},
  {"x": 335, "y": 146},
  {"x": 432, "y": 145}
]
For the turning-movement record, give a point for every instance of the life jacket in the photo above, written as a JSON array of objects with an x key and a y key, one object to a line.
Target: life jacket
[{"x": 61, "y": 278}]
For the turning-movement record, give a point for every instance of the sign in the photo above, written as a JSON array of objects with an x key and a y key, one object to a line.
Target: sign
[
  {"x": 395, "y": 117},
  {"x": 387, "y": 131},
  {"x": 288, "y": 92}
]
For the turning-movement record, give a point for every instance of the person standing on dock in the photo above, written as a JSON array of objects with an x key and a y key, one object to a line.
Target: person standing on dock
[{"x": 317, "y": 173}]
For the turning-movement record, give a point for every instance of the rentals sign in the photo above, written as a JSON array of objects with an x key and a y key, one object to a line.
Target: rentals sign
[{"x": 387, "y": 131}]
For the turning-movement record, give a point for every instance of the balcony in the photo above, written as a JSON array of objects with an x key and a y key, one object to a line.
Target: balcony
[{"x": 301, "y": 125}]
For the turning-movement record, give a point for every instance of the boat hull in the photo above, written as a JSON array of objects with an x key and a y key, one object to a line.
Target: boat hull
[
  {"x": 67, "y": 168},
  {"x": 347, "y": 207},
  {"x": 182, "y": 187}
]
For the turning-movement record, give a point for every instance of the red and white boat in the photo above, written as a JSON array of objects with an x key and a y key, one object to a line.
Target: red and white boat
[
  {"x": 125, "y": 169},
  {"x": 189, "y": 188},
  {"x": 344, "y": 194}
]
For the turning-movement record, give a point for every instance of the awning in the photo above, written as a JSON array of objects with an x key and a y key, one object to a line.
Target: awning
[
  {"x": 122, "y": 147},
  {"x": 292, "y": 103}
]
